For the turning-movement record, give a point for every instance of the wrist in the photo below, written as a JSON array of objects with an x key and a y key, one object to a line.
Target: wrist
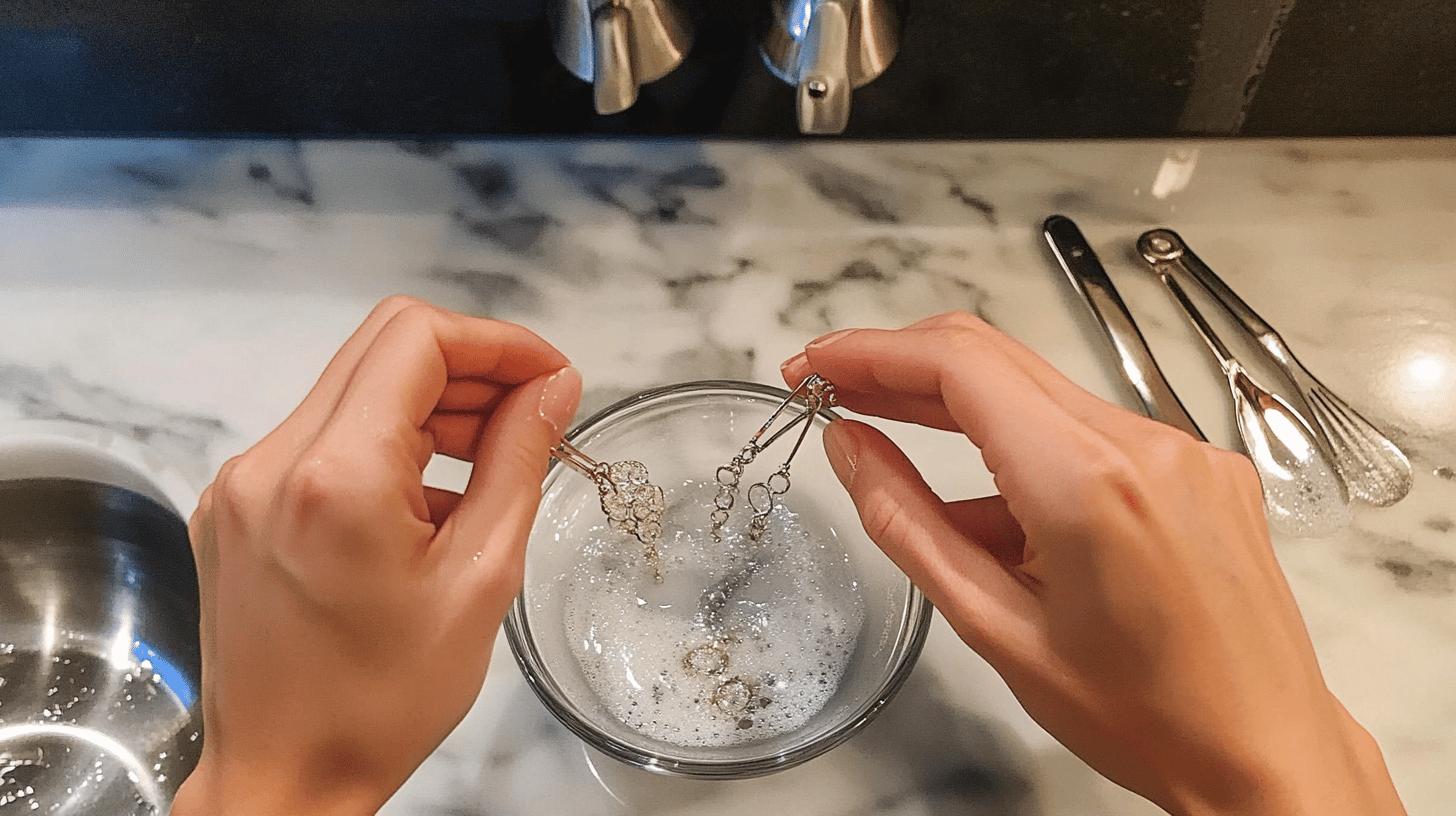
[
  {"x": 219, "y": 789},
  {"x": 1346, "y": 774}
]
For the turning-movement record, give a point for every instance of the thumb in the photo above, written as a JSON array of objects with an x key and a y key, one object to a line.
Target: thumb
[
  {"x": 495, "y": 514},
  {"x": 989, "y": 608}
]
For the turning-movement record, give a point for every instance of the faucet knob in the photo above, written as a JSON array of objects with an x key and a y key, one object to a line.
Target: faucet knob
[
  {"x": 614, "y": 83},
  {"x": 827, "y": 48},
  {"x": 618, "y": 45},
  {"x": 823, "y": 67}
]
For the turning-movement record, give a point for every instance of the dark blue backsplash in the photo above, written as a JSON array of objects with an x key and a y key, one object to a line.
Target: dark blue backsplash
[{"x": 966, "y": 68}]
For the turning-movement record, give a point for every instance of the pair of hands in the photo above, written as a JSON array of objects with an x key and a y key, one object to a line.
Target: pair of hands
[{"x": 1122, "y": 582}]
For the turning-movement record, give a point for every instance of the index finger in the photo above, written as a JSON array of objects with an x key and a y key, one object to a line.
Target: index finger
[
  {"x": 1024, "y": 435},
  {"x": 402, "y": 376}
]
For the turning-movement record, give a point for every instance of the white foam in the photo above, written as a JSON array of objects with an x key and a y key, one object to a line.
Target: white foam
[
  {"x": 1309, "y": 502},
  {"x": 791, "y": 625}
]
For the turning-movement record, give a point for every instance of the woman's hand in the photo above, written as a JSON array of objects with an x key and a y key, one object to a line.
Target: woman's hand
[
  {"x": 1122, "y": 583},
  {"x": 348, "y": 611}
]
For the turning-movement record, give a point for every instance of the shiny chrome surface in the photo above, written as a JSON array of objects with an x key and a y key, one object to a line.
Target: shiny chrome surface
[
  {"x": 99, "y": 659},
  {"x": 618, "y": 45},
  {"x": 827, "y": 48},
  {"x": 1136, "y": 361},
  {"x": 1302, "y": 495},
  {"x": 1372, "y": 467}
]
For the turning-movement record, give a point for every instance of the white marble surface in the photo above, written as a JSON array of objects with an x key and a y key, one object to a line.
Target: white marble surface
[{"x": 185, "y": 294}]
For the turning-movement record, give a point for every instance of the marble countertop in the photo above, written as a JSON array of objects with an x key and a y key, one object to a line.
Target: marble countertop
[{"x": 185, "y": 294}]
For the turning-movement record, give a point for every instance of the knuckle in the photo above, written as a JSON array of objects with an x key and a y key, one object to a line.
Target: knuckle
[
  {"x": 1170, "y": 451},
  {"x": 884, "y": 518},
  {"x": 312, "y": 484},
  {"x": 394, "y": 304},
  {"x": 415, "y": 316},
  {"x": 1239, "y": 469},
  {"x": 505, "y": 574},
  {"x": 239, "y": 488},
  {"x": 961, "y": 318},
  {"x": 334, "y": 488},
  {"x": 413, "y": 324},
  {"x": 1107, "y": 473}
]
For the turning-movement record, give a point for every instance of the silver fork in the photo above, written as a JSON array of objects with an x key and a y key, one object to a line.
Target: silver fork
[{"x": 1372, "y": 467}]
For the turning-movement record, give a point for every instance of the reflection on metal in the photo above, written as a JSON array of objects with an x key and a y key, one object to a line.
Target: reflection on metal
[
  {"x": 826, "y": 49},
  {"x": 1302, "y": 495},
  {"x": 1175, "y": 173},
  {"x": 99, "y": 659},
  {"x": 1371, "y": 465},
  {"x": 618, "y": 45},
  {"x": 1139, "y": 368}
]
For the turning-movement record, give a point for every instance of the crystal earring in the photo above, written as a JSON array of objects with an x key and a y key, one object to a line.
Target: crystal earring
[{"x": 631, "y": 502}]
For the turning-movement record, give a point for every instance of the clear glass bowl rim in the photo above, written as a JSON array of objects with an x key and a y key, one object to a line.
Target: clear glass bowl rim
[{"x": 914, "y": 628}]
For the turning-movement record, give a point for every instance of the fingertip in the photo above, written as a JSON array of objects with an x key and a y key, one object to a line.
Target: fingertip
[
  {"x": 560, "y": 396},
  {"x": 795, "y": 369},
  {"x": 841, "y": 445},
  {"x": 832, "y": 337}
]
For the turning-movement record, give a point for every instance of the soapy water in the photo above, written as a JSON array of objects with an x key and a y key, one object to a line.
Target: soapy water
[
  {"x": 1308, "y": 503},
  {"x": 742, "y": 641}
]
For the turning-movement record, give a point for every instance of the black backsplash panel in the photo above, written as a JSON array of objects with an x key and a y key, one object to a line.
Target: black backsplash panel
[{"x": 967, "y": 68}]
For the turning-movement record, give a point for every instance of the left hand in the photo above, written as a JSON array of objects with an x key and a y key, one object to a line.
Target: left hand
[{"x": 348, "y": 611}]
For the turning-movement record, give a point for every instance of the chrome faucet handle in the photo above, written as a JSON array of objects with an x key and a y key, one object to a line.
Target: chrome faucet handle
[
  {"x": 619, "y": 45},
  {"x": 827, "y": 48},
  {"x": 614, "y": 84}
]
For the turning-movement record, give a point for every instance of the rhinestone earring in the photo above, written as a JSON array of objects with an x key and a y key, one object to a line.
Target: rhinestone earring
[{"x": 631, "y": 502}]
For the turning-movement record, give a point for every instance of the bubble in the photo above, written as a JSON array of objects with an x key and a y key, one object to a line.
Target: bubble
[{"x": 650, "y": 652}]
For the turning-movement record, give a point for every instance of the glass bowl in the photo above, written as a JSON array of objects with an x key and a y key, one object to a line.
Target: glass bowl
[{"x": 820, "y": 633}]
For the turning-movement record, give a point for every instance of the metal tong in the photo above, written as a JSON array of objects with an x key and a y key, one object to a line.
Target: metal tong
[
  {"x": 1371, "y": 466},
  {"x": 1141, "y": 371},
  {"x": 1302, "y": 494}
]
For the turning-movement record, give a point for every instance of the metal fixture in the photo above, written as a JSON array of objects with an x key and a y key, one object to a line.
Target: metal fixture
[
  {"x": 1302, "y": 494},
  {"x": 1372, "y": 467},
  {"x": 617, "y": 45},
  {"x": 1139, "y": 368},
  {"x": 99, "y": 656},
  {"x": 827, "y": 48}
]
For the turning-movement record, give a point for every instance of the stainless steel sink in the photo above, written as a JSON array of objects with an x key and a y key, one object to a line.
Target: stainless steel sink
[{"x": 99, "y": 658}]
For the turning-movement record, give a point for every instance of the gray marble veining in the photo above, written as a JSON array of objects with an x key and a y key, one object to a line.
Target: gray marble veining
[{"x": 185, "y": 294}]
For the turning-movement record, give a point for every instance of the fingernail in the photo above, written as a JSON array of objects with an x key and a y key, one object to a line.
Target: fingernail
[
  {"x": 793, "y": 361},
  {"x": 559, "y": 396},
  {"x": 830, "y": 338},
  {"x": 843, "y": 450}
]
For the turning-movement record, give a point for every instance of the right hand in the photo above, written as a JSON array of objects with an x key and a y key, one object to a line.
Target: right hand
[{"x": 1122, "y": 583}]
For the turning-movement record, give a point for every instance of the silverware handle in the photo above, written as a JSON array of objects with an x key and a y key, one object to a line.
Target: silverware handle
[
  {"x": 1164, "y": 247},
  {"x": 1210, "y": 337},
  {"x": 1141, "y": 371}
]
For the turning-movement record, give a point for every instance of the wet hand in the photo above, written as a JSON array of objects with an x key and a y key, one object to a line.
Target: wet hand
[
  {"x": 1122, "y": 583},
  {"x": 348, "y": 611}
]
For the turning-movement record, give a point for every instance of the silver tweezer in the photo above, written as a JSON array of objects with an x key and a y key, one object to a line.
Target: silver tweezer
[{"x": 1085, "y": 272}]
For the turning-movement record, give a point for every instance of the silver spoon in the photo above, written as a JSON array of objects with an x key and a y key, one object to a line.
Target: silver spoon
[
  {"x": 1371, "y": 465},
  {"x": 1302, "y": 494}
]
